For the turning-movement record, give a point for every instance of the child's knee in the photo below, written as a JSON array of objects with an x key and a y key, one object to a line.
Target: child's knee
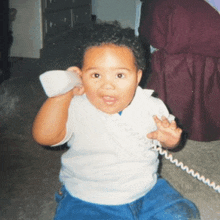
[{"x": 183, "y": 210}]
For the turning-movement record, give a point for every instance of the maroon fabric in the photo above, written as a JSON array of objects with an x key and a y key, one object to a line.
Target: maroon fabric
[{"x": 186, "y": 68}]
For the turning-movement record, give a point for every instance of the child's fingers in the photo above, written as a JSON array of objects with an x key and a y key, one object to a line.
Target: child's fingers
[
  {"x": 152, "y": 135},
  {"x": 78, "y": 90},
  {"x": 165, "y": 122},
  {"x": 157, "y": 120},
  {"x": 173, "y": 125},
  {"x": 179, "y": 130},
  {"x": 161, "y": 123}
]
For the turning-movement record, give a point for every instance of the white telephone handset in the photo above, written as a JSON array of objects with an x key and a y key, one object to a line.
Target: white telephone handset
[
  {"x": 186, "y": 168},
  {"x": 58, "y": 82}
]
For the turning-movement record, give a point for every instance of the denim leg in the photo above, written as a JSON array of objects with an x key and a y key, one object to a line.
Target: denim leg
[
  {"x": 163, "y": 202},
  {"x": 69, "y": 208}
]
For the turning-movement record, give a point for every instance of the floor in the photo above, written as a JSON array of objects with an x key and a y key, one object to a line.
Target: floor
[
  {"x": 29, "y": 172},
  {"x": 24, "y": 67}
]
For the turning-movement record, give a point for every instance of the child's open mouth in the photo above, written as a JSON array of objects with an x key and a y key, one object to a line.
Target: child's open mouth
[{"x": 109, "y": 100}]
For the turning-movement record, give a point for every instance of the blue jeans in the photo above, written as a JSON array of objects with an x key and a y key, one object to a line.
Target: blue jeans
[{"x": 161, "y": 203}]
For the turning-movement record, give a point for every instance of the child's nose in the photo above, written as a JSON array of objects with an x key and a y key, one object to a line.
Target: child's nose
[{"x": 108, "y": 83}]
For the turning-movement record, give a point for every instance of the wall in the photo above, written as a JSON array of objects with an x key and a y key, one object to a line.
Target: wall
[
  {"x": 123, "y": 11},
  {"x": 26, "y": 28}
]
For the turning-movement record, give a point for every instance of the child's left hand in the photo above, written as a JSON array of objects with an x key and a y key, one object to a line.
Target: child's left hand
[{"x": 167, "y": 133}]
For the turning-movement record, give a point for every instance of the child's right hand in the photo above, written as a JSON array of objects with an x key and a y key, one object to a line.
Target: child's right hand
[
  {"x": 78, "y": 89},
  {"x": 49, "y": 127}
]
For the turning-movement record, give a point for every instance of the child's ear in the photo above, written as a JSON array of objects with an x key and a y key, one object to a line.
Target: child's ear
[
  {"x": 75, "y": 69},
  {"x": 139, "y": 76}
]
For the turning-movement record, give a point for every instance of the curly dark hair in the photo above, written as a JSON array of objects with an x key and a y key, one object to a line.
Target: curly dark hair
[{"x": 112, "y": 33}]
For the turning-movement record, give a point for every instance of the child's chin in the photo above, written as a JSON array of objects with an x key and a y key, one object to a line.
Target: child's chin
[{"x": 109, "y": 111}]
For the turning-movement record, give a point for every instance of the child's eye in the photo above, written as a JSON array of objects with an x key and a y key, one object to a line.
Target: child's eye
[
  {"x": 120, "y": 75},
  {"x": 96, "y": 75}
]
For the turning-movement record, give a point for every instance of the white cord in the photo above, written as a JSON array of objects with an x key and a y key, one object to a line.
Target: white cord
[{"x": 186, "y": 168}]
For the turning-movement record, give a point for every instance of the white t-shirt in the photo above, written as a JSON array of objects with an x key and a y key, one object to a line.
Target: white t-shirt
[{"x": 110, "y": 160}]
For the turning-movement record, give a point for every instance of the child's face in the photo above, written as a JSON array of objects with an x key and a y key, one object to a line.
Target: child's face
[{"x": 110, "y": 77}]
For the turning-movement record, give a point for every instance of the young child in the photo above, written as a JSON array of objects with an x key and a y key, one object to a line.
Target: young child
[{"x": 111, "y": 125}]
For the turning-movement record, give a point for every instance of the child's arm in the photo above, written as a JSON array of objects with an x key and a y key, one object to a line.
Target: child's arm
[
  {"x": 49, "y": 127},
  {"x": 167, "y": 133}
]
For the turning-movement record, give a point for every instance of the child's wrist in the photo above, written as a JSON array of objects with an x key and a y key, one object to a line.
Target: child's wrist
[{"x": 63, "y": 97}]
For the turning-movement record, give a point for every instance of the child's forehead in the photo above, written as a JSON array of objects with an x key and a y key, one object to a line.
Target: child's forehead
[
  {"x": 107, "y": 47},
  {"x": 110, "y": 50},
  {"x": 109, "y": 56}
]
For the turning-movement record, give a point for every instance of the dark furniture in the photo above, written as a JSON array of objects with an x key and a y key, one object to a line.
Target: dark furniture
[
  {"x": 59, "y": 16},
  {"x": 6, "y": 17}
]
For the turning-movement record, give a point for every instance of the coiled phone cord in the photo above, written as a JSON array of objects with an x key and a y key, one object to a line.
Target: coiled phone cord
[{"x": 186, "y": 168}]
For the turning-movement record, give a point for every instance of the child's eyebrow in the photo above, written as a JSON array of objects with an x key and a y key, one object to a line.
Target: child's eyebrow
[
  {"x": 122, "y": 68},
  {"x": 113, "y": 68},
  {"x": 91, "y": 68}
]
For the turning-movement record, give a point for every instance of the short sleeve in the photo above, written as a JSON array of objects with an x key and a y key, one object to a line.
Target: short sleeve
[
  {"x": 154, "y": 105},
  {"x": 163, "y": 111}
]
